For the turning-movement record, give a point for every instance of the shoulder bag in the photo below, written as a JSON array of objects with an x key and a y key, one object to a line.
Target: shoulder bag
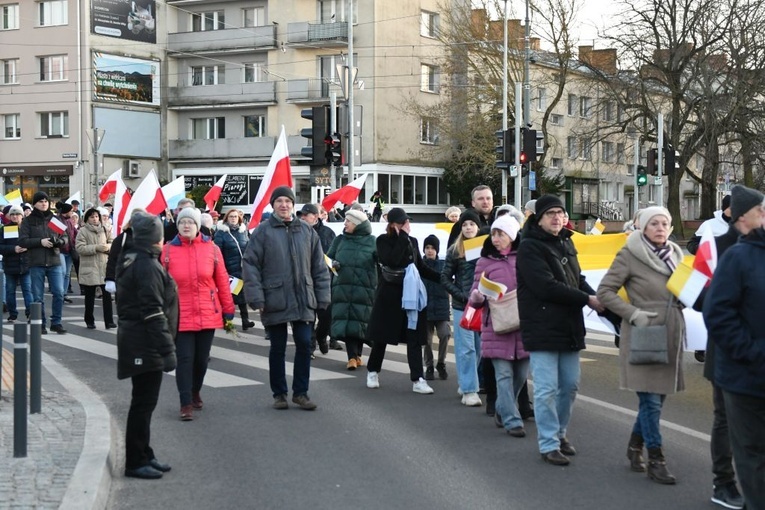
[
  {"x": 648, "y": 345},
  {"x": 504, "y": 313}
]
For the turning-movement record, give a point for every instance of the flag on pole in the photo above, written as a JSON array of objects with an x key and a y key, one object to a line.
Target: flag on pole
[
  {"x": 121, "y": 202},
  {"x": 597, "y": 228},
  {"x": 148, "y": 196},
  {"x": 174, "y": 192},
  {"x": 706, "y": 255},
  {"x": 14, "y": 197},
  {"x": 212, "y": 196},
  {"x": 686, "y": 283},
  {"x": 110, "y": 186},
  {"x": 473, "y": 247},
  {"x": 345, "y": 195},
  {"x": 491, "y": 289},
  {"x": 277, "y": 174},
  {"x": 57, "y": 225},
  {"x": 74, "y": 197}
]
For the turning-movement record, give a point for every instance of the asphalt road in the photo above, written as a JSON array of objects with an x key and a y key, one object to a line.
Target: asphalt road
[{"x": 388, "y": 448}]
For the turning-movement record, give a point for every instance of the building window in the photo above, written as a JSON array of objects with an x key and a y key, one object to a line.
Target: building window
[
  {"x": 54, "y": 124},
  {"x": 253, "y": 72},
  {"x": 53, "y": 68},
  {"x": 207, "y": 75},
  {"x": 428, "y": 133},
  {"x": 429, "y": 78},
  {"x": 409, "y": 189},
  {"x": 573, "y": 147},
  {"x": 621, "y": 153},
  {"x": 253, "y": 17},
  {"x": 556, "y": 163},
  {"x": 572, "y": 105},
  {"x": 556, "y": 120},
  {"x": 585, "y": 107},
  {"x": 254, "y": 126},
  {"x": 587, "y": 148},
  {"x": 8, "y": 71},
  {"x": 208, "y": 129},
  {"x": 206, "y": 21},
  {"x": 12, "y": 126},
  {"x": 9, "y": 17},
  {"x": 428, "y": 24},
  {"x": 609, "y": 108},
  {"x": 541, "y": 99},
  {"x": 608, "y": 152},
  {"x": 53, "y": 12}
]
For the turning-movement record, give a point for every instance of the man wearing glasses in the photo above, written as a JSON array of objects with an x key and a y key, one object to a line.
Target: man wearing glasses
[{"x": 551, "y": 294}]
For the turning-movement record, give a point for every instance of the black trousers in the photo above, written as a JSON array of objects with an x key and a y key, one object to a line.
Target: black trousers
[
  {"x": 722, "y": 456},
  {"x": 413, "y": 357},
  {"x": 146, "y": 386},
  {"x": 353, "y": 346},
  {"x": 90, "y": 302},
  {"x": 746, "y": 421}
]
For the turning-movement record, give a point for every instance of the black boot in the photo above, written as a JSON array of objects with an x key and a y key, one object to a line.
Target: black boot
[
  {"x": 635, "y": 453},
  {"x": 246, "y": 322},
  {"x": 657, "y": 467}
]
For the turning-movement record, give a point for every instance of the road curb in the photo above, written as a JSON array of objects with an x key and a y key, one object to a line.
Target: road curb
[{"x": 91, "y": 480}]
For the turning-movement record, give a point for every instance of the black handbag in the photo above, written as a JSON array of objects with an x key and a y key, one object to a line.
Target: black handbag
[{"x": 391, "y": 275}]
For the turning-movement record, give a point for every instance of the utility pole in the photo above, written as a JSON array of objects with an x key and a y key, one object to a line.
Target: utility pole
[
  {"x": 351, "y": 152},
  {"x": 504, "y": 104},
  {"x": 660, "y": 160}
]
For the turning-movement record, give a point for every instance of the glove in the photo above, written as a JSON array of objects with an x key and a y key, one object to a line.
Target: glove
[
  {"x": 335, "y": 264},
  {"x": 110, "y": 287},
  {"x": 642, "y": 319},
  {"x": 228, "y": 316},
  {"x": 477, "y": 297},
  {"x": 169, "y": 362}
]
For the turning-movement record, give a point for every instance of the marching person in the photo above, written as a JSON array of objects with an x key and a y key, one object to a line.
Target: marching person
[
  {"x": 93, "y": 243},
  {"x": 287, "y": 281},
  {"x": 231, "y": 237},
  {"x": 15, "y": 264},
  {"x": 438, "y": 312}
]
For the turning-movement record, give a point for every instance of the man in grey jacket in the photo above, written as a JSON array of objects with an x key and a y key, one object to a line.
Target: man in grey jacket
[{"x": 287, "y": 281}]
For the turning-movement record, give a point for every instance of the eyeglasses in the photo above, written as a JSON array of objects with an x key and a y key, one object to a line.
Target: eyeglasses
[
  {"x": 553, "y": 213},
  {"x": 186, "y": 222}
]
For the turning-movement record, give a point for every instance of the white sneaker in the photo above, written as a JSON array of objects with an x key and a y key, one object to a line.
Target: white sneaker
[
  {"x": 373, "y": 380},
  {"x": 472, "y": 400},
  {"x": 421, "y": 386}
]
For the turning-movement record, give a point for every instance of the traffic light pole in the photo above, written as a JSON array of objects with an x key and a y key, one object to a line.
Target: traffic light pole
[
  {"x": 660, "y": 159},
  {"x": 504, "y": 104},
  {"x": 332, "y": 131},
  {"x": 636, "y": 205},
  {"x": 519, "y": 173},
  {"x": 351, "y": 152}
]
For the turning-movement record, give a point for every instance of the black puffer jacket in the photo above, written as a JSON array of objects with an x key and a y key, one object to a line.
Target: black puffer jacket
[
  {"x": 457, "y": 278},
  {"x": 32, "y": 231},
  {"x": 121, "y": 244},
  {"x": 148, "y": 313},
  {"x": 326, "y": 235},
  {"x": 551, "y": 291},
  {"x": 13, "y": 263}
]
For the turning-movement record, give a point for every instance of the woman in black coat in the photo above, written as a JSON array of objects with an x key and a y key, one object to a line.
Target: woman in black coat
[
  {"x": 388, "y": 323},
  {"x": 148, "y": 322},
  {"x": 231, "y": 237}
]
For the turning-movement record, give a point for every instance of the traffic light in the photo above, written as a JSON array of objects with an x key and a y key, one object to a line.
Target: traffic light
[
  {"x": 670, "y": 160},
  {"x": 529, "y": 152},
  {"x": 505, "y": 149},
  {"x": 333, "y": 149},
  {"x": 642, "y": 178},
  {"x": 316, "y": 133},
  {"x": 653, "y": 163}
]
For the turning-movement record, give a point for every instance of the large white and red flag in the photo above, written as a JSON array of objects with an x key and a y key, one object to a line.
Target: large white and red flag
[
  {"x": 147, "y": 196},
  {"x": 706, "y": 255},
  {"x": 345, "y": 195},
  {"x": 278, "y": 173},
  {"x": 110, "y": 186},
  {"x": 212, "y": 196},
  {"x": 121, "y": 203}
]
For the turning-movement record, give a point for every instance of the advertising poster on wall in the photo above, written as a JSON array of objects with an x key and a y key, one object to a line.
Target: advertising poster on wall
[
  {"x": 125, "y": 79},
  {"x": 133, "y": 20}
]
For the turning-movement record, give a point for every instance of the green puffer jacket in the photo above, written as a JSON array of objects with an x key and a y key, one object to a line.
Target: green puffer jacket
[{"x": 353, "y": 289}]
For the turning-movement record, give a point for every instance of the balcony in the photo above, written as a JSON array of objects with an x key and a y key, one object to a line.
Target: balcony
[
  {"x": 317, "y": 35},
  {"x": 238, "y": 40},
  {"x": 231, "y": 148},
  {"x": 262, "y": 92},
  {"x": 308, "y": 91}
]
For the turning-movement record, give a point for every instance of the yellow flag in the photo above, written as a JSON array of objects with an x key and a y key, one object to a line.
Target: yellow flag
[
  {"x": 235, "y": 284},
  {"x": 11, "y": 232},
  {"x": 686, "y": 284},
  {"x": 14, "y": 197},
  {"x": 492, "y": 289},
  {"x": 473, "y": 247}
]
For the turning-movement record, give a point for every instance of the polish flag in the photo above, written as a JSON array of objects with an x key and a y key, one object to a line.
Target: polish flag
[
  {"x": 277, "y": 174},
  {"x": 110, "y": 186},
  {"x": 345, "y": 195},
  {"x": 121, "y": 202},
  {"x": 57, "y": 225},
  {"x": 706, "y": 256},
  {"x": 148, "y": 196},
  {"x": 212, "y": 196}
]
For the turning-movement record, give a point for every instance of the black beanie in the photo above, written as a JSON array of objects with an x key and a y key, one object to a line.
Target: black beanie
[
  {"x": 546, "y": 202},
  {"x": 63, "y": 207},
  {"x": 282, "y": 191},
  {"x": 469, "y": 215},
  {"x": 40, "y": 195},
  {"x": 725, "y": 202},
  {"x": 743, "y": 199},
  {"x": 433, "y": 241},
  {"x": 147, "y": 229}
]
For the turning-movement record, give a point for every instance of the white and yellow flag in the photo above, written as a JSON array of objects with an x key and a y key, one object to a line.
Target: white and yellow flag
[
  {"x": 235, "y": 284},
  {"x": 491, "y": 289},
  {"x": 473, "y": 247},
  {"x": 597, "y": 228}
]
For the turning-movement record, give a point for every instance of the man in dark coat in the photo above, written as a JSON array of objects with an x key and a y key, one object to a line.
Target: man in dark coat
[
  {"x": 15, "y": 263},
  {"x": 551, "y": 294},
  {"x": 43, "y": 244},
  {"x": 148, "y": 323},
  {"x": 482, "y": 202}
]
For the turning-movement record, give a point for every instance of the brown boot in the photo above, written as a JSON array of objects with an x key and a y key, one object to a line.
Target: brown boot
[
  {"x": 635, "y": 453},
  {"x": 657, "y": 467}
]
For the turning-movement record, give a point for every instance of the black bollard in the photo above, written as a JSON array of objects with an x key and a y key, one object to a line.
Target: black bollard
[
  {"x": 20, "y": 390},
  {"x": 35, "y": 359}
]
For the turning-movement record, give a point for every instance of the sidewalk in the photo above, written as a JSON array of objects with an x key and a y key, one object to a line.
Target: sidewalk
[{"x": 68, "y": 445}]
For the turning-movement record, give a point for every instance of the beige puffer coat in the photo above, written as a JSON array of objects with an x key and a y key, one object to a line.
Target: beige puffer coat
[{"x": 93, "y": 244}]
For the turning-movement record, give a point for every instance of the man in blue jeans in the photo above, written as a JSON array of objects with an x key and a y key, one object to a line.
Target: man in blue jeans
[
  {"x": 43, "y": 244},
  {"x": 15, "y": 264}
]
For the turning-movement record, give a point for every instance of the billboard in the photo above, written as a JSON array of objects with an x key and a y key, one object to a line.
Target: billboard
[
  {"x": 132, "y": 20},
  {"x": 125, "y": 80}
]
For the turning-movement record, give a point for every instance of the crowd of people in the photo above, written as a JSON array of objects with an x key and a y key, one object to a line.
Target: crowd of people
[{"x": 172, "y": 284}]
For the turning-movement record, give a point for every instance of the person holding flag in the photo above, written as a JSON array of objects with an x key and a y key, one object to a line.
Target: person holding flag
[
  {"x": 231, "y": 237},
  {"x": 43, "y": 235},
  {"x": 15, "y": 263}
]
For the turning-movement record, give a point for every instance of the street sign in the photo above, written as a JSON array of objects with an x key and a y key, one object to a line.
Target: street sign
[
  {"x": 514, "y": 171},
  {"x": 69, "y": 155},
  {"x": 657, "y": 180},
  {"x": 532, "y": 180}
]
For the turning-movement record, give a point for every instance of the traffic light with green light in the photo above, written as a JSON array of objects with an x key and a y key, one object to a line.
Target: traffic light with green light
[{"x": 642, "y": 178}]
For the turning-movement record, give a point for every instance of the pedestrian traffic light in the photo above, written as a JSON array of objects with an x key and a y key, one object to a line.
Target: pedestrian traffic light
[
  {"x": 670, "y": 160},
  {"x": 653, "y": 163},
  {"x": 642, "y": 178},
  {"x": 316, "y": 152},
  {"x": 505, "y": 149},
  {"x": 529, "y": 152},
  {"x": 333, "y": 153}
]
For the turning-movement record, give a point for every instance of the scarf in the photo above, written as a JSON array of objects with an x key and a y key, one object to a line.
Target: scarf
[{"x": 664, "y": 253}]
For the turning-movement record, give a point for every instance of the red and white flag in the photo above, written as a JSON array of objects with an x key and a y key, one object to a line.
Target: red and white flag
[
  {"x": 345, "y": 195},
  {"x": 148, "y": 196},
  {"x": 110, "y": 186},
  {"x": 278, "y": 173},
  {"x": 121, "y": 202},
  {"x": 212, "y": 196},
  {"x": 57, "y": 225},
  {"x": 706, "y": 255}
]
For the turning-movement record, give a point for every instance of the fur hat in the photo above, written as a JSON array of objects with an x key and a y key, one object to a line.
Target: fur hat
[
  {"x": 356, "y": 217},
  {"x": 743, "y": 199},
  {"x": 147, "y": 229},
  {"x": 433, "y": 241},
  {"x": 193, "y": 213},
  {"x": 545, "y": 203},
  {"x": 645, "y": 215},
  {"x": 282, "y": 191},
  {"x": 508, "y": 225},
  {"x": 40, "y": 195}
]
